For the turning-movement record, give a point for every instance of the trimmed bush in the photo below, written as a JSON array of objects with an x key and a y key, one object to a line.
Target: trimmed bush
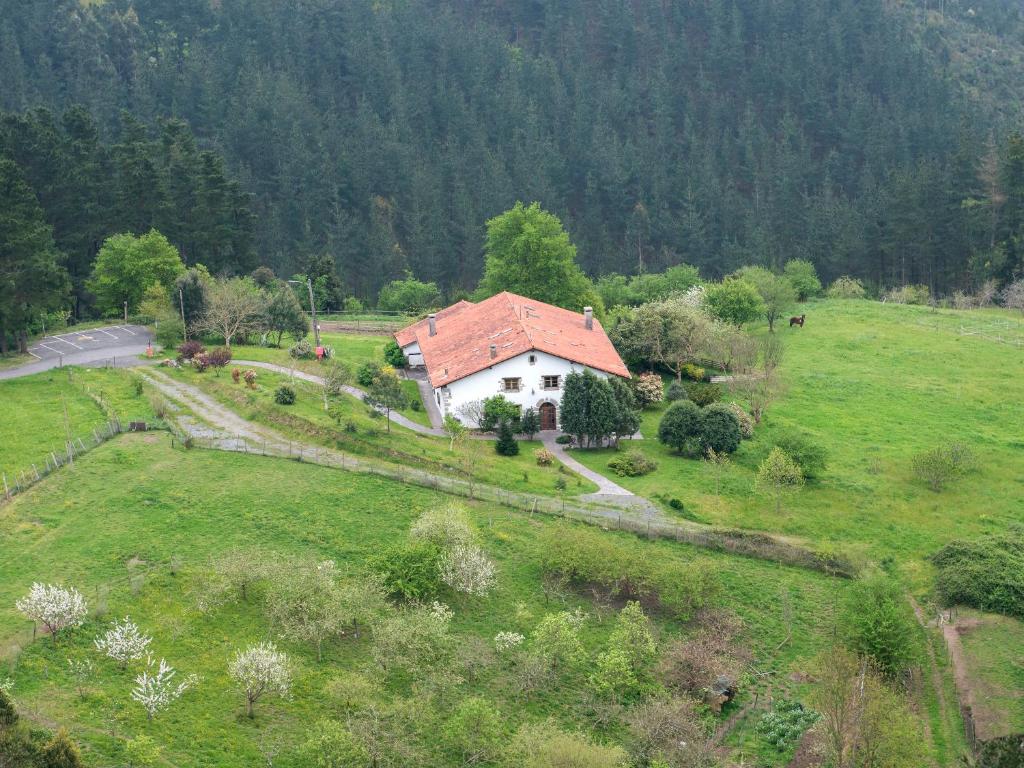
[
  {"x": 719, "y": 429},
  {"x": 564, "y": 439},
  {"x": 631, "y": 464},
  {"x": 703, "y": 393},
  {"x": 811, "y": 457},
  {"x": 745, "y": 419},
  {"x": 676, "y": 391},
  {"x": 680, "y": 426},
  {"x": 236, "y": 375},
  {"x": 301, "y": 350},
  {"x": 284, "y": 395},
  {"x": 987, "y": 573},
  {"x": 693, "y": 372},
  {"x": 201, "y": 361},
  {"x": 544, "y": 457}
]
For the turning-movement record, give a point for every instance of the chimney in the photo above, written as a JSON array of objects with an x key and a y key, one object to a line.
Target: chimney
[
  {"x": 494, "y": 351},
  {"x": 432, "y": 322},
  {"x": 588, "y": 318}
]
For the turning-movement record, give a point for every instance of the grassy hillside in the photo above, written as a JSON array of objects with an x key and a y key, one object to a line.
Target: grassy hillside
[
  {"x": 874, "y": 384},
  {"x": 134, "y": 521}
]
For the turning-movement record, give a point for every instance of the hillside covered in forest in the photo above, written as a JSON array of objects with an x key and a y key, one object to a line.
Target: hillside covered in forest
[{"x": 719, "y": 133}]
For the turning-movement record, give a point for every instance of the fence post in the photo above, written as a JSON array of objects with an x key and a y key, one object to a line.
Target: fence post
[{"x": 7, "y": 490}]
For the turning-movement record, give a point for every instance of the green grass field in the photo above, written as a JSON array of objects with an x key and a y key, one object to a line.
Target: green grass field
[
  {"x": 34, "y": 412},
  {"x": 114, "y": 524},
  {"x": 874, "y": 384}
]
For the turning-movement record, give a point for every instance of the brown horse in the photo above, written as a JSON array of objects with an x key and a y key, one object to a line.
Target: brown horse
[{"x": 797, "y": 321}]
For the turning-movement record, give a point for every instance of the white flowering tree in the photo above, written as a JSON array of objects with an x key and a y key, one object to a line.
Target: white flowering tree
[
  {"x": 123, "y": 642},
  {"x": 156, "y": 689},
  {"x": 507, "y": 641},
  {"x": 55, "y": 607},
  {"x": 259, "y": 670},
  {"x": 465, "y": 568}
]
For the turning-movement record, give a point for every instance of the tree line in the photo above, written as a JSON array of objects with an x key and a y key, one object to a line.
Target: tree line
[{"x": 385, "y": 134}]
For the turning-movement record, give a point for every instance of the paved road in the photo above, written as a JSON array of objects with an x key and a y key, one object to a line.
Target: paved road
[{"x": 113, "y": 345}]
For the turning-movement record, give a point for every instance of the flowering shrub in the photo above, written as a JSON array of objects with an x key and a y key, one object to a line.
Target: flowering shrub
[
  {"x": 694, "y": 372},
  {"x": 201, "y": 361},
  {"x": 846, "y": 288},
  {"x": 545, "y": 458},
  {"x": 156, "y": 691},
  {"x": 648, "y": 389},
  {"x": 56, "y": 608},
  {"x": 123, "y": 642},
  {"x": 745, "y": 419},
  {"x": 236, "y": 375},
  {"x": 507, "y": 641},
  {"x": 250, "y": 378},
  {"x": 786, "y": 723},
  {"x": 465, "y": 568}
]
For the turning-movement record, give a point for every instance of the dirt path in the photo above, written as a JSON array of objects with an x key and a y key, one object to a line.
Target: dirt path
[{"x": 935, "y": 675}]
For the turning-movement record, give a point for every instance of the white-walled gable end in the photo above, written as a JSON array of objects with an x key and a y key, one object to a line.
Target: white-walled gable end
[{"x": 535, "y": 372}]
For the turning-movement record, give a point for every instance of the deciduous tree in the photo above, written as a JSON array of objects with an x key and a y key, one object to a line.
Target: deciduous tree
[{"x": 127, "y": 265}]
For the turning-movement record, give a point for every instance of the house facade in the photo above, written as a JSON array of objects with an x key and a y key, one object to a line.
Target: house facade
[{"x": 509, "y": 345}]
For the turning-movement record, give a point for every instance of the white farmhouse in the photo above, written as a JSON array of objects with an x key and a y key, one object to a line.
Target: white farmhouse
[{"x": 509, "y": 345}]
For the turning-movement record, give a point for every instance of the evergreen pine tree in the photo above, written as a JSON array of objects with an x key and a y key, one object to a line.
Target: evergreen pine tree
[{"x": 506, "y": 444}]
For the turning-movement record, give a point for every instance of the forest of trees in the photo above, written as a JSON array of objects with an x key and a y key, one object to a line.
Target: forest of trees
[{"x": 385, "y": 133}]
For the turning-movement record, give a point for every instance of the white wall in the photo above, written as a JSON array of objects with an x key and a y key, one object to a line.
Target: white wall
[
  {"x": 413, "y": 354},
  {"x": 487, "y": 383}
]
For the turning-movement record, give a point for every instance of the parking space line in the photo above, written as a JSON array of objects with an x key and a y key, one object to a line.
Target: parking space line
[
  {"x": 125, "y": 329},
  {"x": 37, "y": 357},
  {"x": 58, "y": 338},
  {"x": 47, "y": 346},
  {"x": 104, "y": 330}
]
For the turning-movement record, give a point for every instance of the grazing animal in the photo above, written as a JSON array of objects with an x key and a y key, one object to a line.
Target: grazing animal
[{"x": 797, "y": 321}]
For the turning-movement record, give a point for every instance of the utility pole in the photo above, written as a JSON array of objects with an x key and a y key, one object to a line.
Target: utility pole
[
  {"x": 126, "y": 313},
  {"x": 181, "y": 304},
  {"x": 312, "y": 311}
]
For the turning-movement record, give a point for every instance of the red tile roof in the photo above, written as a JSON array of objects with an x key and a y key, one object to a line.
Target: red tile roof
[
  {"x": 408, "y": 334},
  {"x": 514, "y": 324}
]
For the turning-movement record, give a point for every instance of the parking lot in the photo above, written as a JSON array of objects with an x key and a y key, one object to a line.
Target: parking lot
[{"x": 106, "y": 339}]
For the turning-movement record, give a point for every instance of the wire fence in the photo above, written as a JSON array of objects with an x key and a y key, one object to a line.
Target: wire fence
[
  {"x": 73, "y": 448},
  {"x": 759, "y": 546}
]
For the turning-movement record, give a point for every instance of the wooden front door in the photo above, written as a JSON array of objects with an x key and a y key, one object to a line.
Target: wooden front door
[{"x": 547, "y": 416}]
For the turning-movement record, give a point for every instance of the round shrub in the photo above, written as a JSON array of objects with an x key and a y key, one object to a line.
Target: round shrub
[
  {"x": 564, "y": 439},
  {"x": 201, "y": 361},
  {"x": 218, "y": 357},
  {"x": 676, "y": 391},
  {"x": 719, "y": 429},
  {"x": 544, "y": 457},
  {"x": 680, "y": 426},
  {"x": 190, "y": 349},
  {"x": 410, "y": 571},
  {"x": 631, "y": 464},
  {"x": 284, "y": 395},
  {"x": 693, "y": 372},
  {"x": 745, "y": 419},
  {"x": 506, "y": 444},
  {"x": 301, "y": 350},
  {"x": 846, "y": 288},
  {"x": 810, "y": 456},
  {"x": 366, "y": 373},
  {"x": 702, "y": 393}
]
